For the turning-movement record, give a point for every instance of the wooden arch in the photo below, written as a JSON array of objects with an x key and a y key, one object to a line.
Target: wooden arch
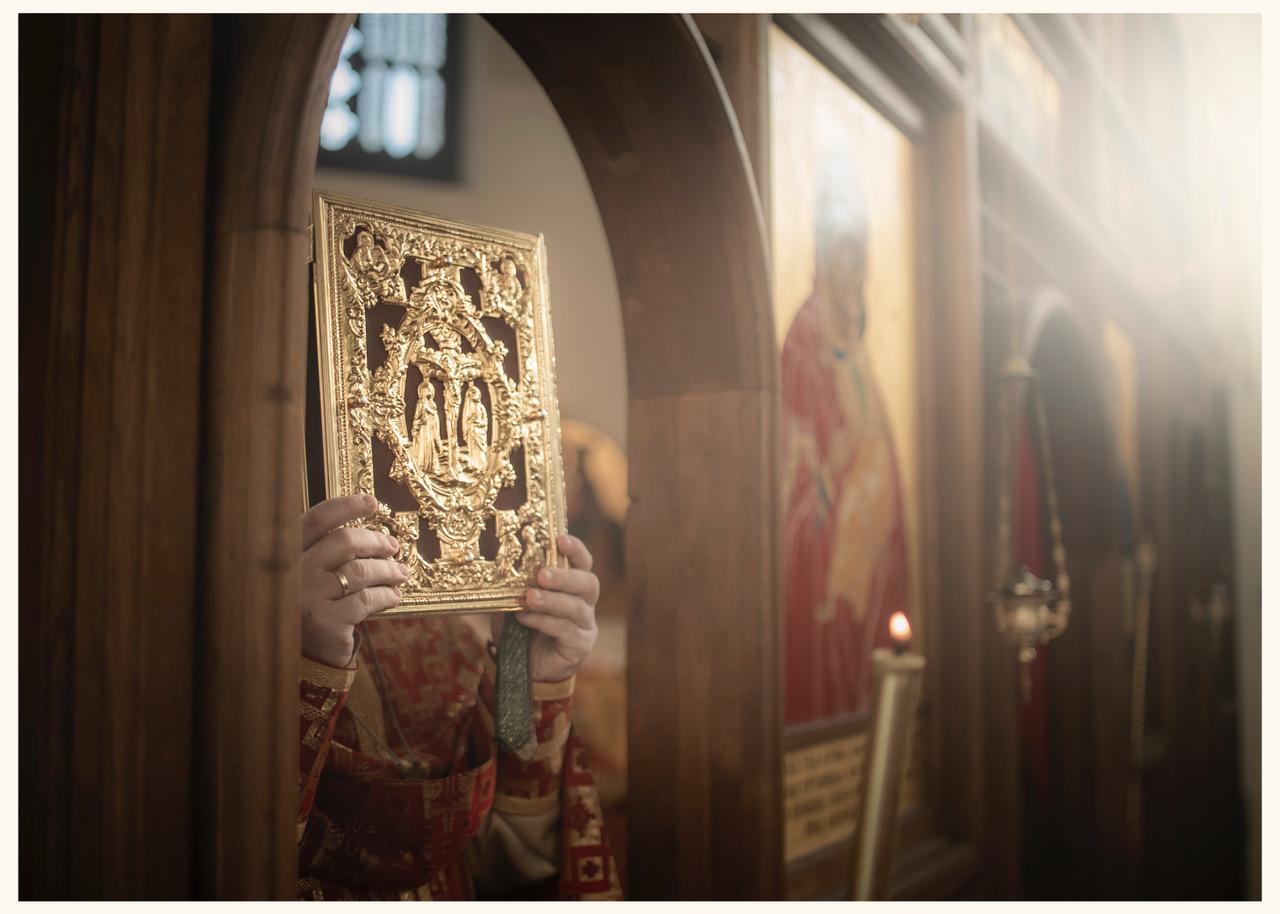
[
  {"x": 658, "y": 140},
  {"x": 1071, "y": 370}
]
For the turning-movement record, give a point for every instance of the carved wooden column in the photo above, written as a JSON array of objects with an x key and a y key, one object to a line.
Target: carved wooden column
[
  {"x": 650, "y": 120},
  {"x": 271, "y": 79}
]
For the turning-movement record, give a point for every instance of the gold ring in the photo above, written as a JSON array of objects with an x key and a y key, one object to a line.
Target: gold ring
[{"x": 342, "y": 579}]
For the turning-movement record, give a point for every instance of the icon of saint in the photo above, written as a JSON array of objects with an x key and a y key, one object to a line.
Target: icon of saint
[
  {"x": 369, "y": 257},
  {"x": 425, "y": 443},
  {"x": 371, "y": 260},
  {"x": 508, "y": 545},
  {"x": 508, "y": 283},
  {"x": 532, "y": 558},
  {"x": 475, "y": 429},
  {"x": 845, "y": 552}
]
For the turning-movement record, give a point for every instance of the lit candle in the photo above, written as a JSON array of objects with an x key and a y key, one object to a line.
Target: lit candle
[
  {"x": 896, "y": 678},
  {"x": 900, "y": 632}
]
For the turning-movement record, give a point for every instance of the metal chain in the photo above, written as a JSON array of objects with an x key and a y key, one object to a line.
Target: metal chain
[
  {"x": 1004, "y": 492},
  {"x": 1063, "y": 580},
  {"x": 386, "y": 750},
  {"x": 1137, "y": 735}
]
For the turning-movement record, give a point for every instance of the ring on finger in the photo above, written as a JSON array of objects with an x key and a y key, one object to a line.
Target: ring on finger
[{"x": 343, "y": 581}]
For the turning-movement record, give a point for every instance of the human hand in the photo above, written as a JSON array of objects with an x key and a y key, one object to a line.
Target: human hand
[
  {"x": 329, "y": 616},
  {"x": 562, "y": 610}
]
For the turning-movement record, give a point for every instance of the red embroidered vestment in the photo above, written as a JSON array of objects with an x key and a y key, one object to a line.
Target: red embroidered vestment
[{"x": 476, "y": 819}]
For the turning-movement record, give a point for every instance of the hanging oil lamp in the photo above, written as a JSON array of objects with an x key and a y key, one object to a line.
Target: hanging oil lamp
[{"x": 1029, "y": 610}]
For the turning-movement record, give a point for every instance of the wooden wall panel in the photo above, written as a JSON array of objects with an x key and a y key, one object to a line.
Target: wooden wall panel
[
  {"x": 113, "y": 604},
  {"x": 702, "y": 668},
  {"x": 957, "y": 626},
  {"x": 54, "y": 160}
]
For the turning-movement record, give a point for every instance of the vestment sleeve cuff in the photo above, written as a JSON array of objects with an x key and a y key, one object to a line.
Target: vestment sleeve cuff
[{"x": 329, "y": 677}]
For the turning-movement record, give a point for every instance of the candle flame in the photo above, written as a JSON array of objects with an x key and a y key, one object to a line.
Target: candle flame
[{"x": 899, "y": 627}]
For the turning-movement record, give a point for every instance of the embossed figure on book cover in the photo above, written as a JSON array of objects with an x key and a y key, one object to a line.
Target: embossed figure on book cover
[{"x": 437, "y": 387}]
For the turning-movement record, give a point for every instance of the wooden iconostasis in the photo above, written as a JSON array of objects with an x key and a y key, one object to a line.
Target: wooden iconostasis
[
  {"x": 806, "y": 291},
  {"x": 937, "y": 188}
]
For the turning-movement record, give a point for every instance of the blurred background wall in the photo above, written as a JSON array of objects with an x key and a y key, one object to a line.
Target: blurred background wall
[{"x": 519, "y": 171}]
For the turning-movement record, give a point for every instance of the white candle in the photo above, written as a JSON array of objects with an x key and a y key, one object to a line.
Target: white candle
[{"x": 896, "y": 674}]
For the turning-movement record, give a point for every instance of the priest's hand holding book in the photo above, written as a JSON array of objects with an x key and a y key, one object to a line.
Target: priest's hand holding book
[
  {"x": 350, "y": 574},
  {"x": 562, "y": 609}
]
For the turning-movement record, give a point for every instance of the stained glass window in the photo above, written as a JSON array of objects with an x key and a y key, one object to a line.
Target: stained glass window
[{"x": 393, "y": 97}]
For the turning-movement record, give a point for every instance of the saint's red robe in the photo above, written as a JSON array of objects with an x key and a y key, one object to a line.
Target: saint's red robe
[{"x": 828, "y": 660}]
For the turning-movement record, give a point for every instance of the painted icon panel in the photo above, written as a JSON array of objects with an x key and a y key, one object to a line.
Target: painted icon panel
[{"x": 845, "y": 308}]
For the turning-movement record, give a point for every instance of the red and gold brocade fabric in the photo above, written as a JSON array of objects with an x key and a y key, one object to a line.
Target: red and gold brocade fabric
[{"x": 473, "y": 819}]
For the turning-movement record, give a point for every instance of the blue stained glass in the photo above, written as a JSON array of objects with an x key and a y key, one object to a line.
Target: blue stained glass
[
  {"x": 338, "y": 127},
  {"x": 392, "y": 101},
  {"x": 431, "y": 123},
  {"x": 399, "y": 111},
  {"x": 371, "y": 101},
  {"x": 340, "y": 123}
]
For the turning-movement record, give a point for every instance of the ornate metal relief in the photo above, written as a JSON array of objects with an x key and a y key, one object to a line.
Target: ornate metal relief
[{"x": 438, "y": 396}]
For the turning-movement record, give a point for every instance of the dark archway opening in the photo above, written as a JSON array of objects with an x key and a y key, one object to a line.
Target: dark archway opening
[{"x": 1075, "y": 760}]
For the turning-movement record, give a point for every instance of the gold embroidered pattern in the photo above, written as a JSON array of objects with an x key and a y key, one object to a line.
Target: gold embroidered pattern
[
  {"x": 315, "y": 715},
  {"x": 327, "y": 677}
]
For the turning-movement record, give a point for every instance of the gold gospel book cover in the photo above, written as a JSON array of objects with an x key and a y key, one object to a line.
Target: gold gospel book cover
[{"x": 437, "y": 396}]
